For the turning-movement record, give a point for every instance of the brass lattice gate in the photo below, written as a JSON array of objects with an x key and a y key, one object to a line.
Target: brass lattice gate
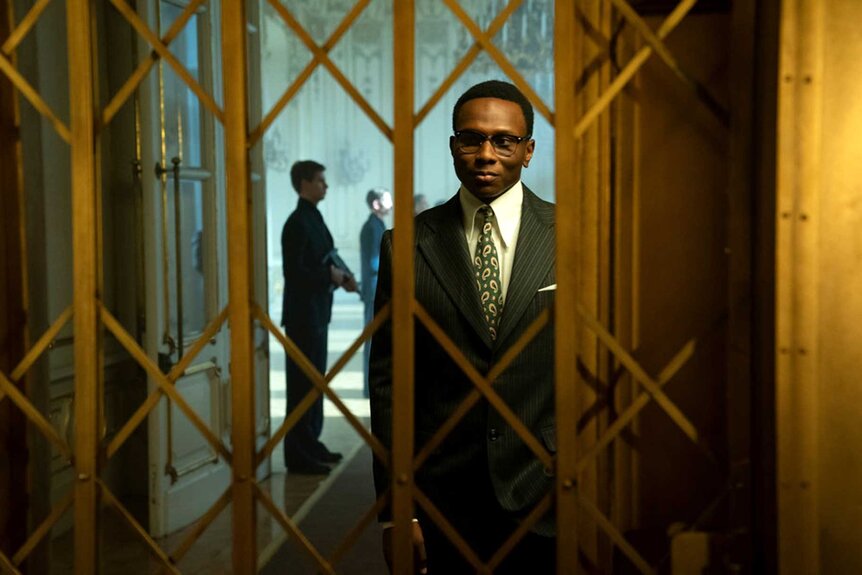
[{"x": 599, "y": 48}]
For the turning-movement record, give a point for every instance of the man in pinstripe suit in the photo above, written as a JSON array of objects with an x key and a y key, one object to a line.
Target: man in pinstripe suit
[{"x": 483, "y": 275}]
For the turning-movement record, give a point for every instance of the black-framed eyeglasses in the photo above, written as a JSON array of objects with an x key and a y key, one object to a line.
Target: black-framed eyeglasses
[{"x": 469, "y": 142}]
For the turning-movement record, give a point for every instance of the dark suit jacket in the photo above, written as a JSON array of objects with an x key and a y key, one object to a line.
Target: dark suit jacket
[
  {"x": 369, "y": 251},
  {"x": 305, "y": 242},
  {"x": 446, "y": 288}
]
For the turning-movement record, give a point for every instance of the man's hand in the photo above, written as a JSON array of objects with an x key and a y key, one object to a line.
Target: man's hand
[
  {"x": 420, "y": 559},
  {"x": 349, "y": 283},
  {"x": 342, "y": 279}
]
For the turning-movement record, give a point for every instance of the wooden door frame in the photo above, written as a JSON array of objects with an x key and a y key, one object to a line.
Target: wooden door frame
[
  {"x": 13, "y": 315},
  {"x": 760, "y": 250}
]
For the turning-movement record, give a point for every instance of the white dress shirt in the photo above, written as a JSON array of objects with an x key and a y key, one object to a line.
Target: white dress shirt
[{"x": 507, "y": 223}]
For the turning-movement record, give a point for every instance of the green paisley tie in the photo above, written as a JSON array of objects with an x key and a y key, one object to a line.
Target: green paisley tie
[{"x": 488, "y": 272}]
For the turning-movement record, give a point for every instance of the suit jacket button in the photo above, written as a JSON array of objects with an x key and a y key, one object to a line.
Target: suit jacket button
[{"x": 493, "y": 434}]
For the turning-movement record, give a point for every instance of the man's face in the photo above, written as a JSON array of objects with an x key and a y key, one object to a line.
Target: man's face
[
  {"x": 484, "y": 173},
  {"x": 314, "y": 189},
  {"x": 383, "y": 205}
]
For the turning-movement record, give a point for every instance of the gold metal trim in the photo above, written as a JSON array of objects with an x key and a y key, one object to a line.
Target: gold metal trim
[
  {"x": 501, "y": 60},
  {"x": 11, "y": 391},
  {"x": 24, "y": 27},
  {"x": 631, "y": 69},
  {"x": 7, "y": 565},
  {"x": 201, "y": 525},
  {"x": 178, "y": 256},
  {"x": 43, "y": 343},
  {"x": 292, "y": 528},
  {"x": 353, "y": 536},
  {"x": 468, "y": 58},
  {"x": 482, "y": 388},
  {"x": 403, "y": 299},
  {"x": 617, "y": 537},
  {"x": 44, "y": 528},
  {"x": 162, "y": 381},
  {"x": 144, "y": 31},
  {"x": 140, "y": 73},
  {"x": 153, "y": 399},
  {"x": 622, "y": 421},
  {"x": 321, "y": 56},
  {"x": 641, "y": 376},
  {"x": 701, "y": 91},
  {"x": 167, "y": 337},
  {"x": 34, "y": 98},
  {"x": 321, "y": 383},
  {"x": 524, "y": 527},
  {"x": 142, "y": 533},
  {"x": 447, "y": 528}
]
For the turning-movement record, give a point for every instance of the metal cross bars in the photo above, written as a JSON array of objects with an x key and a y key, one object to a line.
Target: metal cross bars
[
  {"x": 90, "y": 313},
  {"x": 9, "y": 390}
]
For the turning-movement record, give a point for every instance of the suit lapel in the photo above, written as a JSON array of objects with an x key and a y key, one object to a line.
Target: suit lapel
[
  {"x": 534, "y": 257},
  {"x": 444, "y": 247}
]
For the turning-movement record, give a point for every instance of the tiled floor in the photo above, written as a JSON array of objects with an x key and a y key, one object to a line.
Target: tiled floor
[{"x": 123, "y": 551}]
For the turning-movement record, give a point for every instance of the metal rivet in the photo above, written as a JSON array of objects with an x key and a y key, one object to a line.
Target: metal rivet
[
  {"x": 802, "y": 351},
  {"x": 83, "y": 477},
  {"x": 785, "y": 215},
  {"x": 784, "y": 350},
  {"x": 568, "y": 484},
  {"x": 402, "y": 479},
  {"x": 803, "y": 217},
  {"x": 788, "y": 78},
  {"x": 807, "y": 79}
]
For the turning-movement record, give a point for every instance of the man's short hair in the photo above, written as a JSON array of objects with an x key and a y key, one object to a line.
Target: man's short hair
[
  {"x": 374, "y": 194},
  {"x": 500, "y": 90},
  {"x": 304, "y": 170}
]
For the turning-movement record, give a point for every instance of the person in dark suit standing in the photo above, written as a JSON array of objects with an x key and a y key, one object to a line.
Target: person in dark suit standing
[
  {"x": 379, "y": 201},
  {"x": 310, "y": 277},
  {"x": 484, "y": 270}
]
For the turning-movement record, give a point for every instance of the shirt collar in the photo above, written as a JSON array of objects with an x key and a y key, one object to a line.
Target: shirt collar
[
  {"x": 507, "y": 211},
  {"x": 303, "y": 203}
]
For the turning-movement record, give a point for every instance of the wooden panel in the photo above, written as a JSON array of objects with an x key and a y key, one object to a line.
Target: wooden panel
[
  {"x": 13, "y": 439},
  {"x": 763, "y": 291},
  {"x": 624, "y": 291},
  {"x": 682, "y": 272},
  {"x": 840, "y": 299},
  {"x": 593, "y": 182},
  {"x": 740, "y": 300},
  {"x": 797, "y": 339},
  {"x": 665, "y": 6}
]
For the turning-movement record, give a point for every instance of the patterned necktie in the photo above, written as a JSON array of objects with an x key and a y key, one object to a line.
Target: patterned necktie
[{"x": 488, "y": 272}]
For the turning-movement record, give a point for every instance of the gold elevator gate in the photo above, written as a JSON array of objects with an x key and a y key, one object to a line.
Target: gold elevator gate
[{"x": 593, "y": 345}]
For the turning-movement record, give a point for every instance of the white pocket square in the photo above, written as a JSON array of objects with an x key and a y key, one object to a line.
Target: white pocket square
[{"x": 551, "y": 287}]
